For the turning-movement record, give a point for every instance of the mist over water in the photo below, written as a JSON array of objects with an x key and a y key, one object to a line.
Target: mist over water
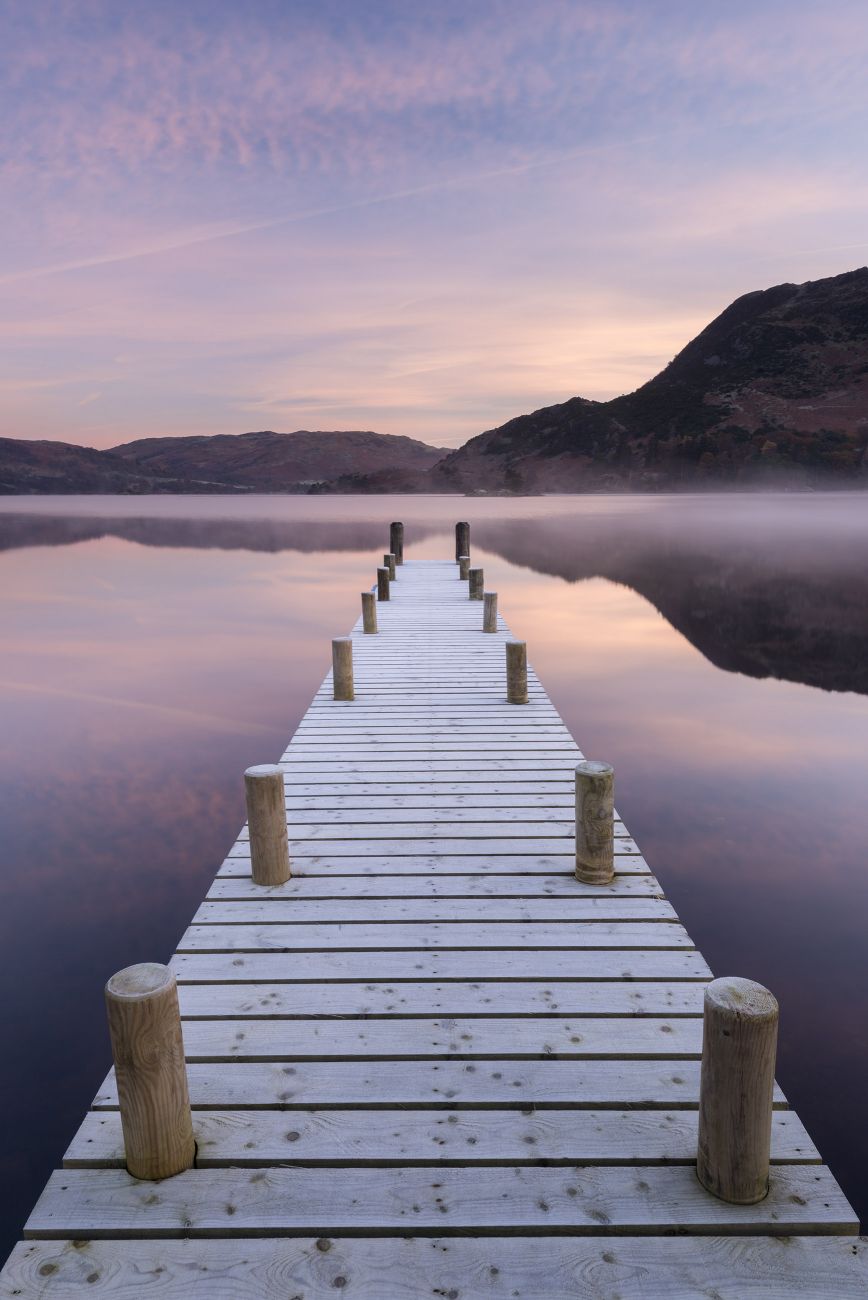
[{"x": 713, "y": 648}]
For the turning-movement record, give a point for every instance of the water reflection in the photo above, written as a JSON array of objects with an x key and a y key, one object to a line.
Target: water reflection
[
  {"x": 762, "y": 589},
  {"x": 127, "y": 719}
]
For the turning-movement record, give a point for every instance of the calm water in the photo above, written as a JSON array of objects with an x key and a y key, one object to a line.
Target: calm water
[{"x": 715, "y": 649}]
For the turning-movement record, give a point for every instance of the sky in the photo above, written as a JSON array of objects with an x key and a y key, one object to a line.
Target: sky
[{"x": 423, "y": 220}]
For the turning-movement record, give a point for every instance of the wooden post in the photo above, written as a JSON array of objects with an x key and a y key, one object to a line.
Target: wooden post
[
  {"x": 464, "y": 567},
  {"x": 595, "y": 823},
  {"x": 382, "y": 584},
  {"x": 489, "y": 611},
  {"x": 739, "y": 1041},
  {"x": 462, "y": 540},
  {"x": 266, "y": 820},
  {"x": 516, "y": 672},
  {"x": 396, "y": 542},
  {"x": 477, "y": 584},
  {"x": 369, "y": 612},
  {"x": 342, "y": 668},
  {"x": 148, "y": 1049},
  {"x": 389, "y": 563}
]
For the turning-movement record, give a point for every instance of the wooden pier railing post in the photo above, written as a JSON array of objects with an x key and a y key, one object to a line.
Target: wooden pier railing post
[
  {"x": 396, "y": 542},
  {"x": 595, "y": 822},
  {"x": 463, "y": 567},
  {"x": 477, "y": 584},
  {"x": 739, "y": 1043},
  {"x": 516, "y": 672},
  {"x": 462, "y": 540},
  {"x": 148, "y": 1049},
  {"x": 342, "y": 668},
  {"x": 369, "y": 612},
  {"x": 382, "y": 584},
  {"x": 266, "y": 820},
  {"x": 489, "y": 611},
  {"x": 389, "y": 563}
]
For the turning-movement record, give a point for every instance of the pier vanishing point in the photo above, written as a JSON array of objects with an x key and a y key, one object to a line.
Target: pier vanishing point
[{"x": 435, "y": 1061}]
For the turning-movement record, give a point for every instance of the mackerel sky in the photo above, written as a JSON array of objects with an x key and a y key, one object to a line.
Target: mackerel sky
[{"x": 418, "y": 219}]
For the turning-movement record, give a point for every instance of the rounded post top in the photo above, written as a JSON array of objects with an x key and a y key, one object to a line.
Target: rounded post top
[
  {"x": 743, "y": 998},
  {"x": 263, "y": 771},
  {"x": 513, "y": 641},
  {"x": 396, "y": 523},
  {"x": 592, "y": 767},
  {"x": 135, "y": 983},
  {"x": 342, "y": 640},
  {"x": 490, "y": 593}
]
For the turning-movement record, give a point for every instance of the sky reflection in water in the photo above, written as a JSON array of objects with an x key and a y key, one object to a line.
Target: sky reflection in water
[{"x": 138, "y": 678}]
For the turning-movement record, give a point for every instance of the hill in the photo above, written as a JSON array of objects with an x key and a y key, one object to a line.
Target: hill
[
  {"x": 774, "y": 391},
  {"x": 248, "y": 462}
]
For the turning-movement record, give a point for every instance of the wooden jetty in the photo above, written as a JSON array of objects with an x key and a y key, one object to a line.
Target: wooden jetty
[{"x": 433, "y": 1063}]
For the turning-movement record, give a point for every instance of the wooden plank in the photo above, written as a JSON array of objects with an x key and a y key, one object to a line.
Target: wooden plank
[
  {"x": 286, "y": 909},
  {"x": 614, "y": 1084},
  {"x": 476, "y": 886},
  {"x": 478, "y": 998},
  {"x": 479, "y": 964},
  {"x": 469, "y": 846},
  {"x": 587, "y": 1201},
  {"x": 459, "y": 935},
  {"x": 427, "y": 865},
  {"x": 381, "y": 1268},
  {"x": 461, "y": 1137},
  {"x": 326, "y": 827},
  {"x": 563, "y": 1038}
]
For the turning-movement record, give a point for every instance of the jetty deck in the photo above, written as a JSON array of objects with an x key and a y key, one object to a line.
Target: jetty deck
[{"x": 433, "y": 1064}]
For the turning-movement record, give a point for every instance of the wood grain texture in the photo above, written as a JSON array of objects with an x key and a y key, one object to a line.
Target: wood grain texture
[
  {"x": 738, "y": 1069},
  {"x": 457, "y": 1137},
  {"x": 150, "y": 1073},
  {"x": 266, "y": 820},
  {"x": 501, "y": 1083},
  {"x": 588, "y": 1200},
  {"x": 488, "y": 1268}
]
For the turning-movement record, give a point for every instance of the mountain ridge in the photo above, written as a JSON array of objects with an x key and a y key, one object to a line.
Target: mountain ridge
[{"x": 772, "y": 392}]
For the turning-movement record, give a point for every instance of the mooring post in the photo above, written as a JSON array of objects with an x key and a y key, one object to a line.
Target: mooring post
[
  {"x": 595, "y": 822},
  {"x": 342, "y": 668},
  {"x": 389, "y": 563},
  {"x": 266, "y": 819},
  {"x": 396, "y": 542},
  {"x": 477, "y": 584},
  {"x": 463, "y": 567},
  {"x": 489, "y": 611},
  {"x": 369, "y": 612},
  {"x": 382, "y": 584},
  {"x": 516, "y": 672},
  {"x": 148, "y": 1050},
  {"x": 739, "y": 1042},
  {"x": 462, "y": 540}
]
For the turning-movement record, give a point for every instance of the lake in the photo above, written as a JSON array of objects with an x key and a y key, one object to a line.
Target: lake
[{"x": 715, "y": 649}]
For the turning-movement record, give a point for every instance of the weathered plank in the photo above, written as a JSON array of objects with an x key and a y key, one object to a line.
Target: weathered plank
[
  {"x": 504, "y": 1083},
  {"x": 434, "y": 934},
  {"x": 305, "y": 911},
  {"x": 461, "y": 1137},
  {"x": 488, "y": 1268},
  {"x": 478, "y": 998},
  {"x": 479, "y": 964},
  {"x": 563, "y": 886},
  {"x": 589, "y": 1200},
  {"x": 390, "y": 1039}
]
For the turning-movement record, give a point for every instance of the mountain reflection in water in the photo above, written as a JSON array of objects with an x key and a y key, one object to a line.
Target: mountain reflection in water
[{"x": 781, "y": 596}]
